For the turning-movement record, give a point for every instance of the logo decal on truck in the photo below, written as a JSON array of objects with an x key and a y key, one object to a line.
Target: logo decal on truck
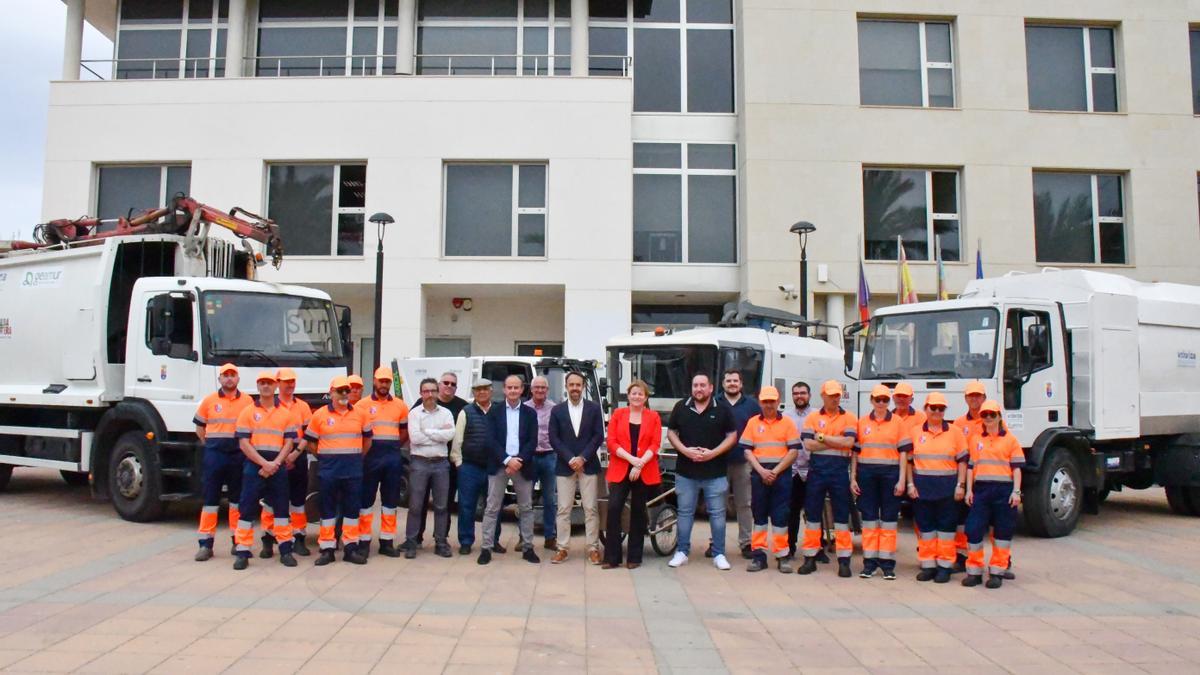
[
  {"x": 5, "y": 328},
  {"x": 1185, "y": 358},
  {"x": 1049, "y": 390},
  {"x": 162, "y": 372},
  {"x": 43, "y": 278}
]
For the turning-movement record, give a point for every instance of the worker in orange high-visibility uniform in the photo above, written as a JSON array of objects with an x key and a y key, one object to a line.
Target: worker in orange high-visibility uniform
[
  {"x": 878, "y": 477},
  {"x": 829, "y": 436},
  {"x": 216, "y": 425},
  {"x": 770, "y": 442},
  {"x": 383, "y": 467},
  {"x": 339, "y": 436},
  {"x": 994, "y": 493},
  {"x": 356, "y": 389},
  {"x": 938, "y": 453},
  {"x": 266, "y": 433},
  {"x": 902, "y": 399},
  {"x": 297, "y": 472},
  {"x": 971, "y": 425}
]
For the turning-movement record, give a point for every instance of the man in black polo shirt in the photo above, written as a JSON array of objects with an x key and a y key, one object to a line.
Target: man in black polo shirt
[{"x": 702, "y": 433}]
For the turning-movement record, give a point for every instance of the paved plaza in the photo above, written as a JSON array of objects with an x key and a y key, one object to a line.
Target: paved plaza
[{"x": 83, "y": 591}]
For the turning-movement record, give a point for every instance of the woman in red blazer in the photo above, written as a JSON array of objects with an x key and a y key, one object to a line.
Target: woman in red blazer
[{"x": 634, "y": 437}]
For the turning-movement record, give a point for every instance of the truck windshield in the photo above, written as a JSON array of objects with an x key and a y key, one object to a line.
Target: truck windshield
[
  {"x": 267, "y": 329},
  {"x": 558, "y": 390},
  {"x": 668, "y": 370},
  {"x": 951, "y": 344}
]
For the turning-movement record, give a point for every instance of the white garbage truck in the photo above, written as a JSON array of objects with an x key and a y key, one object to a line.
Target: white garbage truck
[
  {"x": 1097, "y": 375},
  {"x": 111, "y": 338}
]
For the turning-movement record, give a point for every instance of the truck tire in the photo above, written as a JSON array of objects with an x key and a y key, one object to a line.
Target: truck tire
[
  {"x": 1181, "y": 500},
  {"x": 135, "y": 479},
  {"x": 5, "y": 475},
  {"x": 75, "y": 478},
  {"x": 1054, "y": 497}
]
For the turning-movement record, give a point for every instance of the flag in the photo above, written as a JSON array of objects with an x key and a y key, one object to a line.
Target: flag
[
  {"x": 978, "y": 263},
  {"x": 908, "y": 292},
  {"x": 864, "y": 295},
  {"x": 942, "y": 293}
]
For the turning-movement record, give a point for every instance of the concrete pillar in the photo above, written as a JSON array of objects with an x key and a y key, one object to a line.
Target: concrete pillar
[
  {"x": 73, "y": 43},
  {"x": 835, "y": 315},
  {"x": 406, "y": 37},
  {"x": 579, "y": 38},
  {"x": 235, "y": 39}
]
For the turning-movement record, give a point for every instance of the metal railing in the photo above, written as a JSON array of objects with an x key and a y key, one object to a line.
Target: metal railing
[
  {"x": 334, "y": 65},
  {"x": 518, "y": 64},
  {"x": 152, "y": 68}
]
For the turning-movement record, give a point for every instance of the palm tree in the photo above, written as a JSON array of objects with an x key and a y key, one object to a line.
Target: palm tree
[{"x": 886, "y": 216}]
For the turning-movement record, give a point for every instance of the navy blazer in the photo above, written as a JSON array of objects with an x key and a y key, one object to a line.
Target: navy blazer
[
  {"x": 567, "y": 445},
  {"x": 526, "y": 435}
]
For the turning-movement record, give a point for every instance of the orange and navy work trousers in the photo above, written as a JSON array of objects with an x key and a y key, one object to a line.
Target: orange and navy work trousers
[
  {"x": 273, "y": 490},
  {"x": 936, "y": 521},
  {"x": 880, "y": 508},
  {"x": 834, "y": 483},
  {"x": 297, "y": 482},
  {"x": 383, "y": 474},
  {"x": 990, "y": 509},
  {"x": 221, "y": 466},
  {"x": 341, "y": 494},
  {"x": 769, "y": 505}
]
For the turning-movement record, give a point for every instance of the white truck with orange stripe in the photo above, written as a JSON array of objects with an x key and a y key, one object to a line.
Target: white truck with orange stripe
[
  {"x": 1097, "y": 375},
  {"x": 109, "y": 344}
]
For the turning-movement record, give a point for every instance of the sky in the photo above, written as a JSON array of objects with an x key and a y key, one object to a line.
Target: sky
[{"x": 31, "y": 48}]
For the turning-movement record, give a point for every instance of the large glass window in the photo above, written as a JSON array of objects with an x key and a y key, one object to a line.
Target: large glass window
[
  {"x": 122, "y": 190},
  {"x": 684, "y": 203},
  {"x": 1079, "y": 217},
  {"x": 494, "y": 37},
  {"x": 298, "y": 38},
  {"x": 171, "y": 39},
  {"x": 674, "y": 45},
  {"x": 1071, "y": 68},
  {"x": 320, "y": 208},
  {"x": 905, "y": 63},
  {"x": 921, "y": 206},
  {"x": 495, "y": 210},
  {"x": 1194, "y": 38}
]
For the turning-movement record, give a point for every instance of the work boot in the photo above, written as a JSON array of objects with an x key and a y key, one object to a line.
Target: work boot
[
  {"x": 388, "y": 548},
  {"x": 465, "y": 549},
  {"x": 844, "y": 567},
  {"x": 784, "y": 565},
  {"x": 287, "y": 559},
  {"x": 241, "y": 562},
  {"x": 809, "y": 566},
  {"x": 757, "y": 564},
  {"x": 822, "y": 557},
  {"x": 327, "y": 557},
  {"x": 972, "y": 580},
  {"x": 443, "y": 550},
  {"x": 299, "y": 547},
  {"x": 485, "y": 556},
  {"x": 364, "y": 549},
  {"x": 203, "y": 554},
  {"x": 994, "y": 581},
  {"x": 926, "y": 574},
  {"x": 354, "y": 554},
  {"x": 529, "y": 556},
  {"x": 268, "y": 546},
  {"x": 960, "y": 564},
  {"x": 410, "y": 550},
  {"x": 942, "y": 576}
]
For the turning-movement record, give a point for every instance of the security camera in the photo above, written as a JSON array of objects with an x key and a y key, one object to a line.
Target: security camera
[{"x": 788, "y": 290}]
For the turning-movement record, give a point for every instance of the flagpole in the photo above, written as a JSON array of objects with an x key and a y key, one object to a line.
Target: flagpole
[
  {"x": 899, "y": 270},
  {"x": 937, "y": 253}
]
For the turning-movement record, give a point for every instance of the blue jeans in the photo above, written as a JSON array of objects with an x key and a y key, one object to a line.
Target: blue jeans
[
  {"x": 716, "y": 491},
  {"x": 472, "y": 484},
  {"x": 544, "y": 464}
]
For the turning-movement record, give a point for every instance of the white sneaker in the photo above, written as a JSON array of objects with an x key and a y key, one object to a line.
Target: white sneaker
[
  {"x": 678, "y": 560},
  {"x": 721, "y": 563}
]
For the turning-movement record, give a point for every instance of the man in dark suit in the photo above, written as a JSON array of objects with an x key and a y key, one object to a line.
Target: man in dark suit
[
  {"x": 576, "y": 433},
  {"x": 514, "y": 430}
]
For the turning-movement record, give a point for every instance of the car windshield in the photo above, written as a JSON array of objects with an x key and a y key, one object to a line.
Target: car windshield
[
  {"x": 948, "y": 344},
  {"x": 269, "y": 329}
]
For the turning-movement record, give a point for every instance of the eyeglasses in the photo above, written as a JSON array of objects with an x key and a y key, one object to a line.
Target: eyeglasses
[
  {"x": 342, "y": 390},
  {"x": 448, "y": 383},
  {"x": 937, "y": 408},
  {"x": 988, "y": 415},
  {"x": 881, "y": 399}
]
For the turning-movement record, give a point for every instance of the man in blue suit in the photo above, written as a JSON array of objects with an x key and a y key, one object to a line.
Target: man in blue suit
[
  {"x": 514, "y": 436},
  {"x": 576, "y": 433}
]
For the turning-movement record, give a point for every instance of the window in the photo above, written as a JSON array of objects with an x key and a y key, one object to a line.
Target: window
[
  {"x": 317, "y": 37},
  {"x": 1071, "y": 68},
  {"x": 494, "y": 37},
  {"x": 905, "y": 63},
  {"x": 171, "y": 39},
  {"x": 683, "y": 52},
  {"x": 1079, "y": 217},
  {"x": 919, "y": 205},
  {"x": 320, "y": 208},
  {"x": 495, "y": 210},
  {"x": 649, "y": 317},
  {"x": 684, "y": 211},
  {"x": 1194, "y": 37},
  {"x": 121, "y": 190}
]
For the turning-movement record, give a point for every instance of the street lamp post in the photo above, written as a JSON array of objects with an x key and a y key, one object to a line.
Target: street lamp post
[
  {"x": 803, "y": 229},
  {"x": 381, "y": 220}
]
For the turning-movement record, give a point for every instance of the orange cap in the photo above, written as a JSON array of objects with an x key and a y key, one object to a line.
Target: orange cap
[
  {"x": 935, "y": 398},
  {"x": 265, "y": 375},
  {"x": 990, "y": 406},
  {"x": 339, "y": 382},
  {"x": 975, "y": 387},
  {"x": 903, "y": 389},
  {"x": 355, "y": 380},
  {"x": 768, "y": 394},
  {"x": 285, "y": 375},
  {"x": 880, "y": 390},
  {"x": 831, "y": 388},
  {"x": 228, "y": 368},
  {"x": 383, "y": 373}
]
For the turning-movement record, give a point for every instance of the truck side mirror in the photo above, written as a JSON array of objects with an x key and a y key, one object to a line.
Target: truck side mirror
[
  {"x": 1038, "y": 339},
  {"x": 848, "y": 334},
  {"x": 344, "y": 326},
  {"x": 604, "y": 388}
]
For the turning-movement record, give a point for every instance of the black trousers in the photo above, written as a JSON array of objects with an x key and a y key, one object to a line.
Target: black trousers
[
  {"x": 638, "y": 493},
  {"x": 796, "y": 506}
]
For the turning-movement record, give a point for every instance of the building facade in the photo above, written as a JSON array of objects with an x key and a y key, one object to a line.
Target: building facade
[{"x": 564, "y": 171}]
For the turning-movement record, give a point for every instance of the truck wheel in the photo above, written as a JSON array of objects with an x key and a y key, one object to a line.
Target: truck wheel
[
  {"x": 1181, "y": 501},
  {"x": 1055, "y": 497},
  {"x": 5, "y": 475},
  {"x": 135, "y": 479},
  {"x": 75, "y": 478}
]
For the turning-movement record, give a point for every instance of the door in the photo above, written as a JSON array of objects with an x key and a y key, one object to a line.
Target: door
[
  {"x": 164, "y": 366},
  {"x": 1034, "y": 376}
]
